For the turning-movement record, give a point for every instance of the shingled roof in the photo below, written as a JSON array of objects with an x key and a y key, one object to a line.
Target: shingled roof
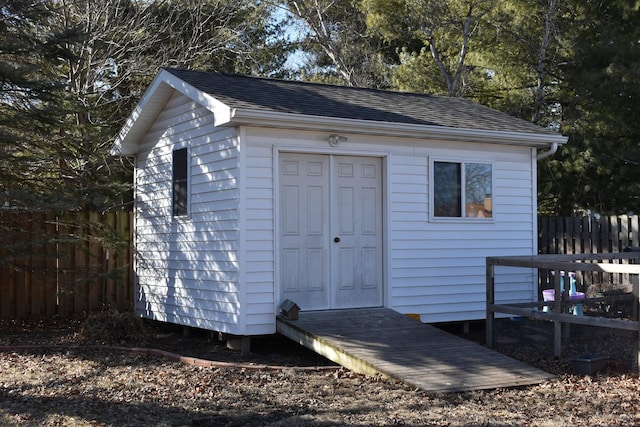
[
  {"x": 313, "y": 99},
  {"x": 237, "y": 100}
]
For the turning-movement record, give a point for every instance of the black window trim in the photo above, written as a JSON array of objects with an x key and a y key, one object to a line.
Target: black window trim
[{"x": 180, "y": 182}]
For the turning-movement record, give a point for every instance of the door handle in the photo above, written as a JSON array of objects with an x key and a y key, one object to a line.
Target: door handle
[{"x": 336, "y": 239}]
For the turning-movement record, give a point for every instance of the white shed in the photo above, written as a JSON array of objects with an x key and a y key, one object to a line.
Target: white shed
[{"x": 253, "y": 191}]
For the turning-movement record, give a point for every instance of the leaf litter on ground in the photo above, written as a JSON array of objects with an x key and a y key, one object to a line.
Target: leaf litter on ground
[{"x": 78, "y": 385}]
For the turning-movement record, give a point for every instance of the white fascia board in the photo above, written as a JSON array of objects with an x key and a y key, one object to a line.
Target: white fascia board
[
  {"x": 141, "y": 117},
  {"x": 369, "y": 127},
  {"x": 152, "y": 103},
  {"x": 222, "y": 113}
]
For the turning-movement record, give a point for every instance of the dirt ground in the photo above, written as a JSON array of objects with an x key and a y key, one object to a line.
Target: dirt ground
[{"x": 71, "y": 375}]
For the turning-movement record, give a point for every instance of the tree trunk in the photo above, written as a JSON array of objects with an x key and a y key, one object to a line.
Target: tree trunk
[{"x": 542, "y": 57}]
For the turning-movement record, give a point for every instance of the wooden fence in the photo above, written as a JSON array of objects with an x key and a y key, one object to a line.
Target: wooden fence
[
  {"x": 64, "y": 265},
  {"x": 590, "y": 235},
  {"x": 586, "y": 235}
]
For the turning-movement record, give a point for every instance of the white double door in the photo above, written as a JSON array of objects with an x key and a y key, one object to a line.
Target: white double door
[{"x": 331, "y": 231}]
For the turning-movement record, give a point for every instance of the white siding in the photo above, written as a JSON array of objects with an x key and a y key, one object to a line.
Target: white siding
[
  {"x": 435, "y": 268},
  {"x": 188, "y": 268},
  {"x": 259, "y": 253}
]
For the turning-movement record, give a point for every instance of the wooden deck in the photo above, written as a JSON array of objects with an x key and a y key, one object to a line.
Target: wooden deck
[{"x": 382, "y": 341}]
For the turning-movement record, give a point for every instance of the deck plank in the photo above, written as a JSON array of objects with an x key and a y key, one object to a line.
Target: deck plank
[{"x": 382, "y": 341}]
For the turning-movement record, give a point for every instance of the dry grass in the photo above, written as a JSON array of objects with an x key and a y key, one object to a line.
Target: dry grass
[{"x": 74, "y": 386}]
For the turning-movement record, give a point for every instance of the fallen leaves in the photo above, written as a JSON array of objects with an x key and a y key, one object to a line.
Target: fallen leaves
[{"x": 93, "y": 387}]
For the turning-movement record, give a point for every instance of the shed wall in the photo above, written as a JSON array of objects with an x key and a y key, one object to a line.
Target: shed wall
[
  {"x": 217, "y": 269},
  {"x": 188, "y": 267},
  {"x": 433, "y": 268}
]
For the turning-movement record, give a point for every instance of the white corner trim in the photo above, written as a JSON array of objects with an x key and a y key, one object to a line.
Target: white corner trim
[{"x": 222, "y": 113}]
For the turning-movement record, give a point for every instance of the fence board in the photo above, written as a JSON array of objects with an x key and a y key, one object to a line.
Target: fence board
[
  {"x": 624, "y": 232},
  {"x": 38, "y": 264},
  {"x": 110, "y": 263},
  {"x": 22, "y": 283},
  {"x": 125, "y": 256},
  {"x": 66, "y": 252},
  {"x": 78, "y": 286},
  {"x": 97, "y": 268},
  {"x": 8, "y": 282},
  {"x": 51, "y": 277}
]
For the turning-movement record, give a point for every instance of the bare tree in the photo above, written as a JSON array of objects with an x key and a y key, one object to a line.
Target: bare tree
[
  {"x": 541, "y": 81},
  {"x": 98, "y": 56},
  {"x": 121, "y": 43},
  {"x": 337, "y": 29},
  {"x": 447, "y": 23},
  {"x": 430, "y": 36}
]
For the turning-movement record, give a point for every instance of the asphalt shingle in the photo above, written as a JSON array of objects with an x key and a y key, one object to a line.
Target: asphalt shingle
[{"x": 295, "y": 97}]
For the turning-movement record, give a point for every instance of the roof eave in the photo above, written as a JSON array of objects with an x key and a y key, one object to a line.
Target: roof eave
[{"x": 370, "y": 127}]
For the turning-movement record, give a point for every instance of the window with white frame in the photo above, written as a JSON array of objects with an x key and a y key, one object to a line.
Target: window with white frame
[
  {"x": 462, "y": 189},
  {"x": 180, "y": 182}
]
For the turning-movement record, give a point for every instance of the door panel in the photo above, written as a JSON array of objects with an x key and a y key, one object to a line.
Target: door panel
[
  {"x": 331, "y": 225},
  {"x": 358, "y": 212},
  {"x": 304, "y": 213}
]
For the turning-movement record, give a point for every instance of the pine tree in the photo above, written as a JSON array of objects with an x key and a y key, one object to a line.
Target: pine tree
[
  {"x": 74, "y": 70},
  {"x": 599, "y": 170}
]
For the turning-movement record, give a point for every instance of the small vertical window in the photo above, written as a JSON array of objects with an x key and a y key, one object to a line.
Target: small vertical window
[
  {"x": 462, "y": 189},
  {"x": 180, "y": 182}
]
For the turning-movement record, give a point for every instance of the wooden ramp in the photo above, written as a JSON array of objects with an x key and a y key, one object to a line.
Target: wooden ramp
[{"x": 382, "y": 341}]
